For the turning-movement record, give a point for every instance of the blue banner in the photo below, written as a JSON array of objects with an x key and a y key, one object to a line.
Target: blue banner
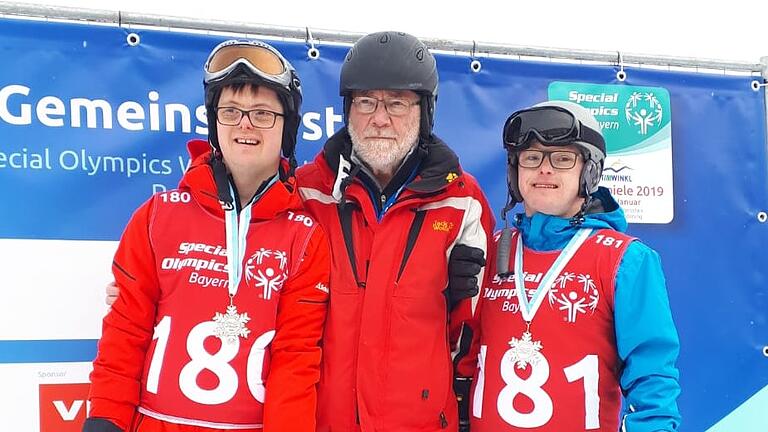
[{"x": 91, "y": 126}]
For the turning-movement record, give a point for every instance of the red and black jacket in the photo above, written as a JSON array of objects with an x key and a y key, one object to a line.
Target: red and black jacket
[{"x": 389, "y": 335}]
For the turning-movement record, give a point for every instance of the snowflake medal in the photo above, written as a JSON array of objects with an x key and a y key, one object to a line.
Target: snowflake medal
[
  {"x": 525, "y": 351},
  {"x": 231, "y": 325}
]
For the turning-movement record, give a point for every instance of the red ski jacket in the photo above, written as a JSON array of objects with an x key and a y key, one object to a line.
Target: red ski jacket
[
  {"x": 171, "y": 267},
  {"x": 389, "y": 336}
]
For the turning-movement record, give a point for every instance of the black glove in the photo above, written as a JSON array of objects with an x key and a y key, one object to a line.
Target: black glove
[
  {"x": 464, "y": 265},
  {"x": 100, "y": 425},
  {"x": 461, "y": 387}
]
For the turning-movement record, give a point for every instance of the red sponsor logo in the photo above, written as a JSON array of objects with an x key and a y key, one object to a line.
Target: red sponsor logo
[{"x": 63, "y": 407}]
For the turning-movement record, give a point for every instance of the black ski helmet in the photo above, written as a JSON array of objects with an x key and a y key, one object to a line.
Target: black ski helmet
[
  {"x": 257, "y": 63},
  {"x": 392, "y": 61},
  {"x": 584, "y": 132}
]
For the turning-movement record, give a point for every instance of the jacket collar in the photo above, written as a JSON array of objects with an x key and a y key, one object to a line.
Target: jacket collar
[
  {"x": 199, "y": 179},
  {"x": 544, "y": 232}
]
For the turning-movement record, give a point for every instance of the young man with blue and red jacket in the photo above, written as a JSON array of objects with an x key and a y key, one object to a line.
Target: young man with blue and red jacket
[{"x": 573, "y": 312}]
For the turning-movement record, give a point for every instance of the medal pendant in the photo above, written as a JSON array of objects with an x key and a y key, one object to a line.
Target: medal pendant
[
  {"x": 231, "y": 325},
  {"x": 525, "y": 350}
]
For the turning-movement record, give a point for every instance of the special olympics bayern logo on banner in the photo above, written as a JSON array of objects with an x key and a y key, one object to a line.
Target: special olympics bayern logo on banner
[{"x": 644, "y": 111}]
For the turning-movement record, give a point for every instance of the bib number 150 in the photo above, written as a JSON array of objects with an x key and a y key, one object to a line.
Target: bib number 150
[{"x": 217, "y": 363}]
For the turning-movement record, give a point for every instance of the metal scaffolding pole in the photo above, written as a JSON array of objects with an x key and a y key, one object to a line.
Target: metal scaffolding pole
[{"x": 129, "y": 19}]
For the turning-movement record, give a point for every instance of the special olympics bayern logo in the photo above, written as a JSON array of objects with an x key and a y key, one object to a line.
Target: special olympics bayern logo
[
  {"x": 644, "y": 111},
  {"x": 574, "y": 294},
  {"x": 266, "y": 269}
]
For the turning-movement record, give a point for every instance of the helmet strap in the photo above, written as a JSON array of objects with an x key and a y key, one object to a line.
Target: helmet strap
[
  {"x": 221, "y": 177},
  {"x": 426, "y": 120},
  {"x": 578, "y": 219}
]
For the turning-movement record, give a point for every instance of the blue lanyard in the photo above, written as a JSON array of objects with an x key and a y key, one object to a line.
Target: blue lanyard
[
  {"x": 237, "y": 237},
  {"x": 529, "y": 309},
  {"x": 393, "y": 198},
  {"x": 237, "y": 234}
]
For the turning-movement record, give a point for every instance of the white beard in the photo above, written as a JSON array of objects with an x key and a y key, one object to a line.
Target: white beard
[{"x": 383, "y": 155}]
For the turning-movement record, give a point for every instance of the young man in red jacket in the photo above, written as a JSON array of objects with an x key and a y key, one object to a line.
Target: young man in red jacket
[
  {"x": 408, "y": 232},
  {"x": 223, "y": 281}
]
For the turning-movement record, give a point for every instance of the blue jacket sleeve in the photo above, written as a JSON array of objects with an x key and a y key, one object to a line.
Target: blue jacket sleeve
[{"x": 647, "y": 342}]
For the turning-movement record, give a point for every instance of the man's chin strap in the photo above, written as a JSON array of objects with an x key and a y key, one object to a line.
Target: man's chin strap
[
  {"x": 221, "y": 178},
  {"x": 578, "y": 219}
]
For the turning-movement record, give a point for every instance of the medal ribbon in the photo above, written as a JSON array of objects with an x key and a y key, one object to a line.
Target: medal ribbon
[{"x": 529, "y": 309}]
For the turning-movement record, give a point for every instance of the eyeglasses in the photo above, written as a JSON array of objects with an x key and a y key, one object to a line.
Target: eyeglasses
[
  {"x": 559, "y": 159},
  {"x": 258, "y": 57},
  {"x": 548, "y": 124},
  {"x": 260, "y": 118},
  {"x": 394, "y": 107}
]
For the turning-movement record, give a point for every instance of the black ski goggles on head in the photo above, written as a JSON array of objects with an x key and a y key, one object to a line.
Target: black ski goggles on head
[{"x": 548, "y": 124}]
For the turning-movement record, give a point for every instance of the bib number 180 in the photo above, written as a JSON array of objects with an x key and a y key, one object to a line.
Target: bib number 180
[{"x": 217, "y": 363}]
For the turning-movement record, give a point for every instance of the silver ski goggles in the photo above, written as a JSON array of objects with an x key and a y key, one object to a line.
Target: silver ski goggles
[
  {"x": 260, "y": 58},
  {"x": 550, "y": 125}
]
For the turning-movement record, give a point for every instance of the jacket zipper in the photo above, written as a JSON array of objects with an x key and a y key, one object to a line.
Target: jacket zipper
[
  {"x": 413, "y": 234},
  {"x": 443, "y": 420}
]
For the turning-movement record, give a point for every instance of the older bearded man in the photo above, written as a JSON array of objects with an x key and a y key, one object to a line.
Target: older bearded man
[{"x": 408, "y": 230}]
